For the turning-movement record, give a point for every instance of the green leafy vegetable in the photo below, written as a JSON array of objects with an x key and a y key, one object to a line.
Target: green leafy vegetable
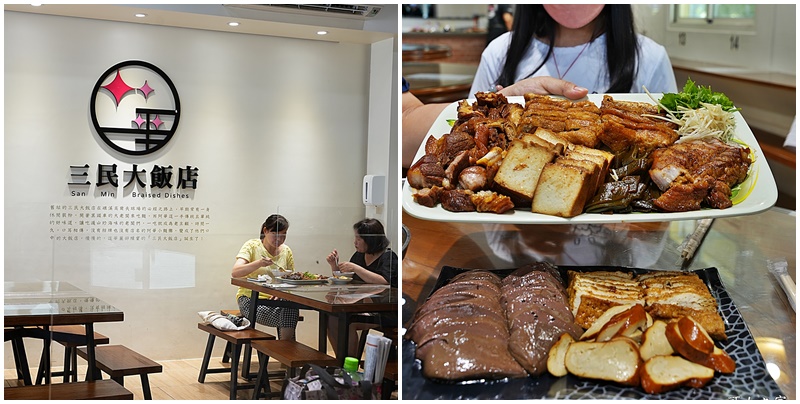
[{"x": 693, "y": 96}]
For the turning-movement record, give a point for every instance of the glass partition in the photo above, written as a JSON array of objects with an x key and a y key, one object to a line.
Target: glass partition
[{"x": 160, "y": 269}]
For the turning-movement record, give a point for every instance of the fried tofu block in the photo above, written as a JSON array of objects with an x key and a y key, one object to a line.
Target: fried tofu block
[
  {"x": 595, "y": 179},
  {"x": 592, "y": 293},
  {"x": 519, "y": 172},
  {"x": 561, "y": 190},
  {"x": 670, "y": 295}
]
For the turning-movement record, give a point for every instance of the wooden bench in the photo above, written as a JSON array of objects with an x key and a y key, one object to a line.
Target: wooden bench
[
  {"x": 120, "y": 361},
  {"x": 95, "y": 390},
  {"x": 71, "y": 337},
  {"x": 236, "y": 339},
  {"x": 293, "y": 354},
  {"x": 226, "y": 354}
]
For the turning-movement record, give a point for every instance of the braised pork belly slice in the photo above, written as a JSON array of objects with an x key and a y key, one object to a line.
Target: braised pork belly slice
[
  {"x": 489, "y": 201},
  {"x": 627, "y": 124}
]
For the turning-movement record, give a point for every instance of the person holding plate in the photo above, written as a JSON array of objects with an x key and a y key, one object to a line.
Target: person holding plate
[
  {"x": 258, "y": 257},
  {"x": 373, "y": 262}
]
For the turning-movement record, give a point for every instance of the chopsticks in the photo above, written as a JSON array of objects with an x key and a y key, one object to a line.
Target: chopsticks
[
  {"x": 278, "y": 265},
  {"x": 779, "y": 268},
  {"x": 692, "y": 242}
]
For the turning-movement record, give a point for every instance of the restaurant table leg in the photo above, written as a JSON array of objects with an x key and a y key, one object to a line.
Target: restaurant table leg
[
  {"x": 248, "y": 351},
  {"x": 20, "y": 358},
  {"x": 253, "y": 307},
  {"x": 344, "y": 334},
  {"x": 322, "y": 343},
  {"x": 93, "y": 372}
]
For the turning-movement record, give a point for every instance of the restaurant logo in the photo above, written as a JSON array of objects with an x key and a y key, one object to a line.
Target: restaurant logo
[{"x": 135, "y": 108}]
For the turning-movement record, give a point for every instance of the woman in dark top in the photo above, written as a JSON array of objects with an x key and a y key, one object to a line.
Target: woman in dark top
[{"x": 372, "y": 263}]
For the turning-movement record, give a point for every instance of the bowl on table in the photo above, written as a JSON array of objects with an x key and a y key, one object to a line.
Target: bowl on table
[
  {"x": 340, "y": 280},
  {"x": 339, "y": 274}
]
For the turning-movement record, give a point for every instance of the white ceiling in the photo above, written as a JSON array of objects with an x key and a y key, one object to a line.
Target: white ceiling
[{"x": 215, "y": 17}]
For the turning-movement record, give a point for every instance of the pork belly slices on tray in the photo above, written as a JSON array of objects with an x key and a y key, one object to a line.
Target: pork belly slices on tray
[
  {"x": 479, "y": 327},
  {"x": 461, "y": 331}
]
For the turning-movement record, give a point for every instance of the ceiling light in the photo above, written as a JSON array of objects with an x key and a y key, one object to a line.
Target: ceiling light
[
  {"x": 233, "y": 24},
  {"x": 140, "y": 15},
  {"x": 36, "y": 5},
  {"x": 322, "y": 32}
]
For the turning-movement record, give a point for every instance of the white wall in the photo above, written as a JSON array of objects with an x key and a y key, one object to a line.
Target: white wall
[
  {"x": 772, "y": 48},
  {"x": 273, "y": 124}
]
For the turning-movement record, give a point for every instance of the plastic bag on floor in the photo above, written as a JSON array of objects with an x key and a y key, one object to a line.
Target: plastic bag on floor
[{"x": 316, "y": 383}]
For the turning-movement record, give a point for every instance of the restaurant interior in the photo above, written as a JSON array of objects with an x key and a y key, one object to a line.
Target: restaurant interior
[
  {"x": 150, "y": 148},
  {"x": 274, "y": 110}
]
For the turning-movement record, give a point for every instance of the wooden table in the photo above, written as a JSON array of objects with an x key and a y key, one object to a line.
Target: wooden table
[
  {"x": 424, "y": 52},
  {"x": 739, "y": 247},
  {"x": 340, "y": 301},
  {"x": 439, "y": 82},
  {"x": 47, "y": 303}
]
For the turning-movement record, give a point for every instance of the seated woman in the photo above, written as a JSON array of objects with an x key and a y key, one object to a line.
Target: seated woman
[
  {"x": 256, "y": 257},
  {"x": 373, "y": 262}
]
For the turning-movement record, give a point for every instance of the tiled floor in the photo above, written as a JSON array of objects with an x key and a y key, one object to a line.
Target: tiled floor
[{"x": 178, "y": 381}]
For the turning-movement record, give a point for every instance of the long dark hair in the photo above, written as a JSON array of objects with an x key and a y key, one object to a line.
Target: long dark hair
[
  {"x": 274, "y": 223},
  {"x": 616, "y": 20},
  {"x": 371, "y": 231}
]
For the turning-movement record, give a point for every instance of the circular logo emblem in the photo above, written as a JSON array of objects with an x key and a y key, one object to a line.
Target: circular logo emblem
[{"x": 135, "y": 108}]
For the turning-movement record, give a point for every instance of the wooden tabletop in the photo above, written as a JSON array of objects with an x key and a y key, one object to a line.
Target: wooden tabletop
[
  {"x": 439, "y": 82},
  {"x": 41, "y": 303},
  {"x": 332, "y": 298}
]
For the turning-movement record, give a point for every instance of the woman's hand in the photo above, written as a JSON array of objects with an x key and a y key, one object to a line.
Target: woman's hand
[
  {"x": 544, "y": 85},
  {"x": 333, "y": 260},
  {"x": 348, "y": 267},
  {"x": 265, "y": 262}
]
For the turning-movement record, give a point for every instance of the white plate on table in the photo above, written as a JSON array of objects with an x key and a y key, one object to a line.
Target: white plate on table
[
  {"x": 280, "y": 285},
  {"x": 758, "y": 192},
  {"x": 302, "y": 281}
]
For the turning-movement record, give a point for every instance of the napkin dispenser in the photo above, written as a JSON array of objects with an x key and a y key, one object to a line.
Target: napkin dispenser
[{"x": 373, "y": 189}]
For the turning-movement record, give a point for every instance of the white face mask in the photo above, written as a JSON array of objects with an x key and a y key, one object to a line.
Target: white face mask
[{"x": 573, "y": 16}]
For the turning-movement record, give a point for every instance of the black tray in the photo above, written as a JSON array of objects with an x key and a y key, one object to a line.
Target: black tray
[{"x": 749, "y": 381}]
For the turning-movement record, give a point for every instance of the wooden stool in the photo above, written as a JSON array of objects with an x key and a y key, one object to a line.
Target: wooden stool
[
  {"x": 71, "y": 337},
  {"x": 236, "y": 339},
  {"x": 290, "y": 353},
  {"x": 120, "y": 361},
  {"x": 96, "y": 390}
]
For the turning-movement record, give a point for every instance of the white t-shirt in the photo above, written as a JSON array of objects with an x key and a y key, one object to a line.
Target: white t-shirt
[{"x": 589, "y": 69}]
